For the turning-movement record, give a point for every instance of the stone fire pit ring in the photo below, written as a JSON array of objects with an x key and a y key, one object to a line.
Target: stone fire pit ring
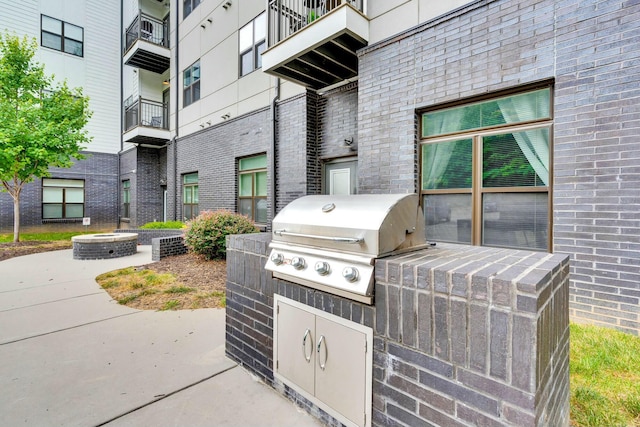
[{"x": 104, "y": 246}]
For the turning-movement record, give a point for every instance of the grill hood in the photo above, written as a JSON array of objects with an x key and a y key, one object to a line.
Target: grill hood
[{"x": 371, "y": 224}]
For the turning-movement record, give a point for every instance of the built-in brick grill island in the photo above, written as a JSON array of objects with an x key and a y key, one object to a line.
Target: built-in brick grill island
[{"x": 346, "y": 309}]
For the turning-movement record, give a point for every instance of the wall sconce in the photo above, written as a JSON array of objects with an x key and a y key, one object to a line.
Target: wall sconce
[
  {"x": 226, "y": 5},
  {"x": 165, "y": 82}
]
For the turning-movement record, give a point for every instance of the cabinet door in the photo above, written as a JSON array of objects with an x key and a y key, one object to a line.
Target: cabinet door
[
  {"x": 296, "y": 356},
  {"x": 341, "y": 368}
]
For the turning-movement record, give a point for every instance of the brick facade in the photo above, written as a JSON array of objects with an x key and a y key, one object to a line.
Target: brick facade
[
  {"x": 461, "y": 336},
  {"x": 100, "y": 174},
  {"x": 587, "y": 51}
]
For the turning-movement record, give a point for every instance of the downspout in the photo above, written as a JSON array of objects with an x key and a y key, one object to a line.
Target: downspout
[
  {"x": 177, "y": 117},
  {"x": 274, "y": 134},
  {"x": 118, "y": 195}
]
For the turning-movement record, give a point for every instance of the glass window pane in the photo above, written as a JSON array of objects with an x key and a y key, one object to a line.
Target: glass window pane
[
  {"x": 448, "y": 217},
  {"x": 195, "y": 193},
  {"x": 51, "y": 195},
  {"x": 246, "y": 63},
  {"x": 535, "y": 105},
  {"x": 447, "y": 164},
  {"x": 260, "y": 28},
  {"x": 186, "y": 8},
  {"x": 51, "y": 41},
  {"x": 52, "y": 182},
  {"x": 519, "y": 159},
  {"x": 73, "y": 32},
  {"x": 196, "y": 91},
  {"x": 259, "y": 49},
  {"x": 73, "y": 47},
  {"x": 52, "y": 211},
  {"x": 74, "y": 195},
  {"x": 246, "y": 36},
  {"x": 187, "y": 97},
  {"x": 187, "y": 77},
  {"x": 261, "y": 184},
  {"x": 244, "y": 207},
  {"x": 74, "y": 211},
  {"x": 255, "y": 162},
  {"x": 51, "y": 25},
  {"x": 516, "y": 220},
  {"x": 246, "y": 185},
  {"x": 196, "y": 71},
  {"x": 187, "y": 212},
  {"x": 190, "y": 178},
  {"x": 261, "y": 210}
]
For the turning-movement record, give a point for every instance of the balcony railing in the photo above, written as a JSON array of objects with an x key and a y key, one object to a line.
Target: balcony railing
[
  {"x": 285, "y": 17},
  {"x": 144, "y": 112},
  {"x": 145, "y": 27}
]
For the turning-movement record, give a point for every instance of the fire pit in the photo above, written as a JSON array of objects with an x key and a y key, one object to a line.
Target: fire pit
[{"x": 104, "y": 246}]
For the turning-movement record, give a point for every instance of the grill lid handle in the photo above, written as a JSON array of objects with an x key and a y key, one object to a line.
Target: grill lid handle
[{"x": 349, "y": 240}]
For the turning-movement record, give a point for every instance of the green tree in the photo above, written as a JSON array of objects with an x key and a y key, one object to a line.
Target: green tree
[{"x": 41, "y": 123}]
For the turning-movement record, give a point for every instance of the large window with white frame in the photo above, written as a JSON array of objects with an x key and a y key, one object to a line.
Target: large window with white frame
[
  {"x": 252, "y": 43},
  {"x": 486, "y": 171},
  {"x": 191, "y": 77},
  {"x": 62, "y": 198},
  {"x": 62, "y": 36}
]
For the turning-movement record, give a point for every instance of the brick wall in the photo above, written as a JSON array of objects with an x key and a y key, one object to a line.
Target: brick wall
[
  {"x": 162, "y": 247},
  {"x": 462, "y": 336},
  {"x": 100, "y": 174},
  {"x": 588, "y": 51},
  {"x": 146, "y": 236}
]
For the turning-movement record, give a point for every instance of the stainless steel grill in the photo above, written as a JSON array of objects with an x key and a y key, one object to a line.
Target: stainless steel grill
[{"x": 331, "y": 242}]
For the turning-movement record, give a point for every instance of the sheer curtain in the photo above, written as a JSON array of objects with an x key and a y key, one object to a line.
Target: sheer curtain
[
  {"x": 435, "y": 157},
  {"x": 533, "y": 143}
]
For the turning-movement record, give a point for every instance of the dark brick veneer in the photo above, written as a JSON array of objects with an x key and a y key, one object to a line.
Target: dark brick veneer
[{"x": 463, "y": 335}]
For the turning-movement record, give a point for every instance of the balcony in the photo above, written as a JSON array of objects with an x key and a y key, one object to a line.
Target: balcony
[
  {"x": 147, "y": 44},
  {"x": 314, "y": 42},
  {"x": 146, "y": 122}
]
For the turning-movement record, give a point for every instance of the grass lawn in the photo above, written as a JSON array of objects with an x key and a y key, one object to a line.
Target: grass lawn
[
  {"x": 605, "y": 377},
  {"x": 49, "y": 237}
]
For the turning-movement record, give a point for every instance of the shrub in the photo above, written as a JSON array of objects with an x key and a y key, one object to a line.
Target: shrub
[
  {"x": 160, "y": 225},
  {"x": 207, "y": 233}
]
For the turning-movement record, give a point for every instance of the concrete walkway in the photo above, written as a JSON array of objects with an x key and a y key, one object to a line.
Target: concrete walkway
[{"x": 70, "y": 356}]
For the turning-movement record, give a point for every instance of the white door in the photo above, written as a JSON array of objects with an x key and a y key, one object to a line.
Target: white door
[{"x": 340, "y": 177}]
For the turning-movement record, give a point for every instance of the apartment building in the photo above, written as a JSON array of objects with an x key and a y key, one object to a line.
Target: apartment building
[
  {"x": 515, "y": 121},
  {"x": 79, "y": 42}
]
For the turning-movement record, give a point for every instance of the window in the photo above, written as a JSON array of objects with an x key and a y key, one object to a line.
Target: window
[
  {"x": 191, "y": 84},
  {"x": 190, "y": 196},
  {"x": 485, "y": 172},
  {"x": 252, "y": 188},
  {"x": 126, "y": 198},
  {"x": 62, "y": 198},
  {"x": 62, "y": 36},
  {"x": 188, "y": 6},
  {"x": 252, "y": 44}
]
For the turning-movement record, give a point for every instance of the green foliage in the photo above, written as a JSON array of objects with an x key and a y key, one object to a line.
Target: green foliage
[
  {"x": 171, "y": 305},
  {"x": 207, "y": 233},
  {"x": 45, "y": 237},
  {"x": 41, "y": 123},
  {"x": 162, "y": 225},
  {"x": 605, "y": 377}
]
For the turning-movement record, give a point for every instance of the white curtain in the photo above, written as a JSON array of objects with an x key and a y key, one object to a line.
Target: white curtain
[
  {"x": 533, "y": 143},
  {"x": 435, "y": 157}
]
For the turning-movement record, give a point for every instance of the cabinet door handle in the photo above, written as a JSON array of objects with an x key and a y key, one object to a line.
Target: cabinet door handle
[
  {"x": 304, "y": 346},
  {"x": 322, "y": 365}
]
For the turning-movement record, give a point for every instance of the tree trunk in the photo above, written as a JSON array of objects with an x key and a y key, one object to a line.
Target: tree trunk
[{"x": 16, "y": 216}]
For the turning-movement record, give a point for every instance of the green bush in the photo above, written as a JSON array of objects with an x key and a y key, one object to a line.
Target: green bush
[
  {"x": 207, "y": 233},
  {"x": 161, "y": 225}
]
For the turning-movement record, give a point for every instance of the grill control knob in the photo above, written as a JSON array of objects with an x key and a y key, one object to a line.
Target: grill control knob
[
  {"x": 298, "y": 263},
  {"x": 322, "y": 268},
  {"x": 277, "y": 258},
  {"x": 350, "y": 274}
]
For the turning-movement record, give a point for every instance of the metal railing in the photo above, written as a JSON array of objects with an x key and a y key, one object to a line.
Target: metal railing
[
  {"x": 285, "y": 17},
  {"x": 144, "y": 112},
  {"x": 145, "y": 27}
]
